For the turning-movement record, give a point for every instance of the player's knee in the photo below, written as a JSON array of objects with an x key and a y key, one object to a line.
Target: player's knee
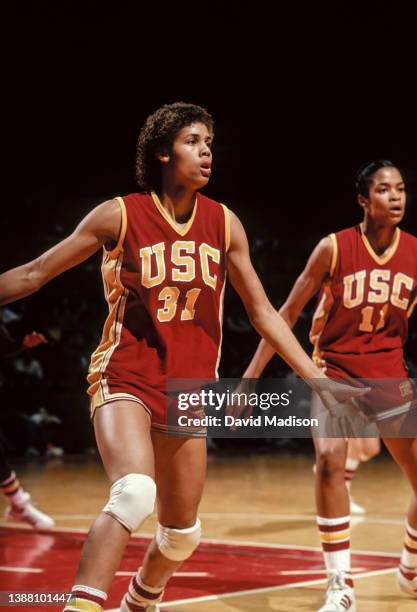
[
  {"x": 132, "y": 500},
  {"x": 331, "y": 464},
  {"x": 178, "y": 544}
]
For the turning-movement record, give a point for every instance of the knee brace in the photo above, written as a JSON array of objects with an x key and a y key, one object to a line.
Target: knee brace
[
  {"x": 132, "y": 500},
  {"x": 178, "y": 544}
]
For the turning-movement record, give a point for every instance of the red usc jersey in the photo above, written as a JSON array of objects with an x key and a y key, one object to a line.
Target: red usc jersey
[
  {"x": 164, "y": 284},
  {"x": 361, "y": 321}
]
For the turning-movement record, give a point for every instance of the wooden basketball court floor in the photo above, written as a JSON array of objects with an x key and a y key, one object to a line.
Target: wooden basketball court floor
[{"x": 260, "y": 549}]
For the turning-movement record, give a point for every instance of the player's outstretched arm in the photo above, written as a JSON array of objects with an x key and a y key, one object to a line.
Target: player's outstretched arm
[
  {"x": 272, "y": 326},
  {"x": 305, "y": 287},
  {"x": 99, "y": 227},
  {"x": 262, "y": 315}
]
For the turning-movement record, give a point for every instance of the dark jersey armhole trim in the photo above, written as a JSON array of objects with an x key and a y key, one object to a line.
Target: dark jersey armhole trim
[{"x": 114, "y": 253}]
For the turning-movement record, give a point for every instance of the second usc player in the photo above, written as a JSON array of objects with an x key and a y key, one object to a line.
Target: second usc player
[{"x": 366, "y": 279}]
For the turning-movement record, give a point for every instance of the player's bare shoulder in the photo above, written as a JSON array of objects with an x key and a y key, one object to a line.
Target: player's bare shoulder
[
  {"x": 322, "y": 258},
  {"x": 105, "y": 219},
  {"x": 325, "y": 249},
  {"x": 238, "y": 237}
]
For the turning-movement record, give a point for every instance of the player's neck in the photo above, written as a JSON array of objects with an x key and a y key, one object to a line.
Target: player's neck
[
  {"x": 177, "y": 201},
  {"x": 380, "y": 237}
]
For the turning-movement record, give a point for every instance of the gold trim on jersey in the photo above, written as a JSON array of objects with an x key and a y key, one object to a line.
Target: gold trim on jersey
[
  {"x": 393, "y": 412},
  {"x": 334, "y": 253},
  {"x": 319, "y": 321},
  {"x": 175, "y": 226},
  {"x": 226, "y": 226},
  {"x": 116, "y": 296},
  {"x": 97, "y": 399},
  {"x": 221, "y": 308},
  {"x": 178, "y": 431},
  {"x": 114, "y": 253},
  {"x": 392, "y": 249}
]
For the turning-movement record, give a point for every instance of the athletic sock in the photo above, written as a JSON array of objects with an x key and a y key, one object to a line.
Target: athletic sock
[
  {"x": 408, "y": 565},
  {"x": 140, "y": 595},
  {"x": 16, "y": 496},
  {"x": 335, "y": 541},
  {"x": 350, "y": 470},
  {"x": 85, "y": 598}
]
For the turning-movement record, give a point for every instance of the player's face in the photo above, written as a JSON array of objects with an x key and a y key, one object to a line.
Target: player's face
[
  {"x": 190, "y": 157},
  {"x": 386, "y": 201}
]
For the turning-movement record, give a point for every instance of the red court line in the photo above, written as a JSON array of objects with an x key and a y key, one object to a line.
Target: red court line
[{"x": 230, "y": 567}]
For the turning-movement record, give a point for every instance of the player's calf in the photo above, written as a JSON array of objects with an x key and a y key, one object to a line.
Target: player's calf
[
  {"x": 176, "y": 545},
  {"x": 132, "y": 500}
]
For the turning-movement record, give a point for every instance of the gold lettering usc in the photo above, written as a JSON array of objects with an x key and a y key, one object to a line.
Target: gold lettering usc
[
  {"x": 379, "y": 292},
  {"x": 184, "y": 261}
]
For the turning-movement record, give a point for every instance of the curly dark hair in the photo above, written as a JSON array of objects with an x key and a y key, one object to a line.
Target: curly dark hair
[
  {"x": 366, "y": 174},
  {"x": 160, "y": 130}
]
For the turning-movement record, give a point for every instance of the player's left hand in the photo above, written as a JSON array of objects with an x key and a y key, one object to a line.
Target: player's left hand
[
  {"x": 238, "y": 408},
  {"x": 33, "y": 339}
]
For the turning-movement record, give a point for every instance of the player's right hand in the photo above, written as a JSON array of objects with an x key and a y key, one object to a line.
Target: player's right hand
[{"x": 339, "y": 398}]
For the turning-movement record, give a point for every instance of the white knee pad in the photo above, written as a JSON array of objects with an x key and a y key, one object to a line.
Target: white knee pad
[
  {"x": 132, "y": 500},
  {"x": 178, "y": 544}
]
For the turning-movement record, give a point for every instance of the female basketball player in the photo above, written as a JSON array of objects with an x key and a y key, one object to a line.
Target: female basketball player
[
  {"x": 166, "y": 253},
  {"x": 367, "y": 282}
]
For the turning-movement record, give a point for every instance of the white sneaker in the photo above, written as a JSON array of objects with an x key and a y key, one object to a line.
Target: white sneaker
[
  {"x": 407, "y": 584},
  {"x": 124, "y": 607},
  {"x": 27, "y": 513},
  {"x": 356, "y": 508},
  {"x": 339, "y": 596}
]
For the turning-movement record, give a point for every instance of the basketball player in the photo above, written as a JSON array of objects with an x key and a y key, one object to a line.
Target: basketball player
[
  {"x": 166, "y": 253},
  {"x": 367, "y": 281},
  {"x": 19, "y": 507}
]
